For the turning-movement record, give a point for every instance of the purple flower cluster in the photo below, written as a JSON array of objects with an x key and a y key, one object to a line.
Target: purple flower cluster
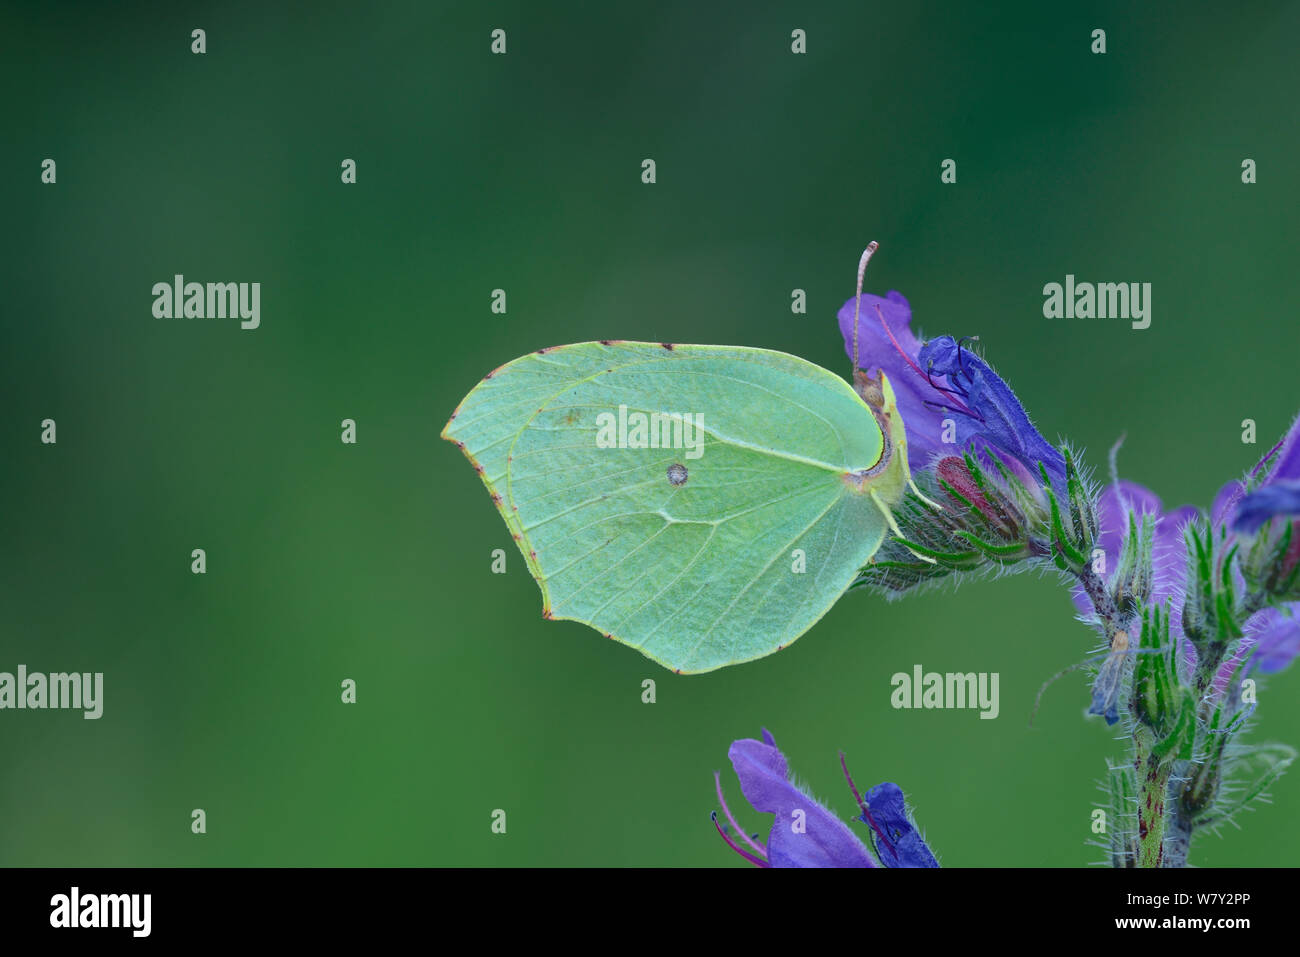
[
  {"x": 1271, "y": 635},
  {"x": 953, "y": 402}
]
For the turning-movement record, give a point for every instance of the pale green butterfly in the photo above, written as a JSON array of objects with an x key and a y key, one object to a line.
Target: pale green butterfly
[{"x": 703, "y": 504}]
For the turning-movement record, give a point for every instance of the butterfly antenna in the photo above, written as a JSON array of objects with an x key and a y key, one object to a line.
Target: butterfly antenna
[{"x": 857, "y": 300}]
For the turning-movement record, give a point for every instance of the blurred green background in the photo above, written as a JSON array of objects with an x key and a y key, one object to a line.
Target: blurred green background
[{"x": 372, "y": 562}]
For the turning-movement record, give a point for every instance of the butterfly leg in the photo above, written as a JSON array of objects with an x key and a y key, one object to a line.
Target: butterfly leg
[
  {"x": 889, "y": 517},
  {"x": 917, "y": 492}
]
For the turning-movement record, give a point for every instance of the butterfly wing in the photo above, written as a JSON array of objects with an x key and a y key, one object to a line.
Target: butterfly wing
[{"x": 702, "y": 504}]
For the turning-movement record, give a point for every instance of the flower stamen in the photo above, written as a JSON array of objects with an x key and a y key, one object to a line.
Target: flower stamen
[
  {"x": 935, "y": 406},
  {"x": 757, "y": 862},
  {"x": 916, "y": 368},
  {"x": 866, "y": 811},
  {"x": 959, "y": 343},
  {"x": 717, "y": 784}
]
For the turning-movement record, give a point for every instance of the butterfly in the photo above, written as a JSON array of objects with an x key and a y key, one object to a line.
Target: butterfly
[{"x": 704, "y": 504}]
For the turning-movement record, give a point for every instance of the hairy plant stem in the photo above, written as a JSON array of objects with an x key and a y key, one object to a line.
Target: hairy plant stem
[
  {"x": 1151, "y": 771},
  {"x": 1180, "y": 729},
  {"x": 1153, "y": 791},
  {"x": 1187, "y": 792},
  {"x": 1102, "y": 601},
  {"x": 1181, "y": 826}
]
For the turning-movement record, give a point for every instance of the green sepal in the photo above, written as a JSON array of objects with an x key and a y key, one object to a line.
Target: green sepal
[
  {"x": 1156, "y": 695},
  {"x": 1060, "y": 540},
  {"x": 1276, "y": 758},
  {"x": 1081, "y": 512},
  {"x": 1177, "y": 745},
  {"x": 1202, "y": 789},
  {"x": 1122, "y": 826},
  {"x": 1015, "y": 550},
  {"x": 953, "y": 559}
]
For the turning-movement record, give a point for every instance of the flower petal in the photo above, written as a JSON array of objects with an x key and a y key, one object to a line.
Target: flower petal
[
  {"x": 1225, "y": 503},
  {"x": 902, "y": 845},
  {"x": 816, "y": 838},
  {"x": 1002, "y": 420},
  {"x": 876, "y": 352},
  {"x": 1280, "y": 492},
  {"x": 1169, "y": 561},
  {"x": 1273, "y": 498},
  {"x": 1276, "y": 636}
]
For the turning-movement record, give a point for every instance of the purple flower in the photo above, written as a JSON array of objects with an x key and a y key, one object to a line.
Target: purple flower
[
  {"x": 898, "y": 843},
  {"x": 806, "y": 834},
  {"x": 1274, "y": 634},
  {"x": 1271, "y": 636},
  {"x": 885, "y": 342},
  {"x": 940, "y": 382},
  {"x": 1280, "y": 492},
  {"x": 1275, "y": 498}
]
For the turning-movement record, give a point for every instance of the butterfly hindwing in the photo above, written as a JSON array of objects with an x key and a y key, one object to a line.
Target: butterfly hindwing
[{"x": 694, "y": 502}]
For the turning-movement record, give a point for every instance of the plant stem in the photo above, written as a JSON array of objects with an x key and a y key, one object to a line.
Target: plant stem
[
  {"x": 1102, "y": 602},
  {"x": 1179, "y": 841},
  {"x": 1152, "y": 772},
  {"x": 1153, "y": 791}
]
